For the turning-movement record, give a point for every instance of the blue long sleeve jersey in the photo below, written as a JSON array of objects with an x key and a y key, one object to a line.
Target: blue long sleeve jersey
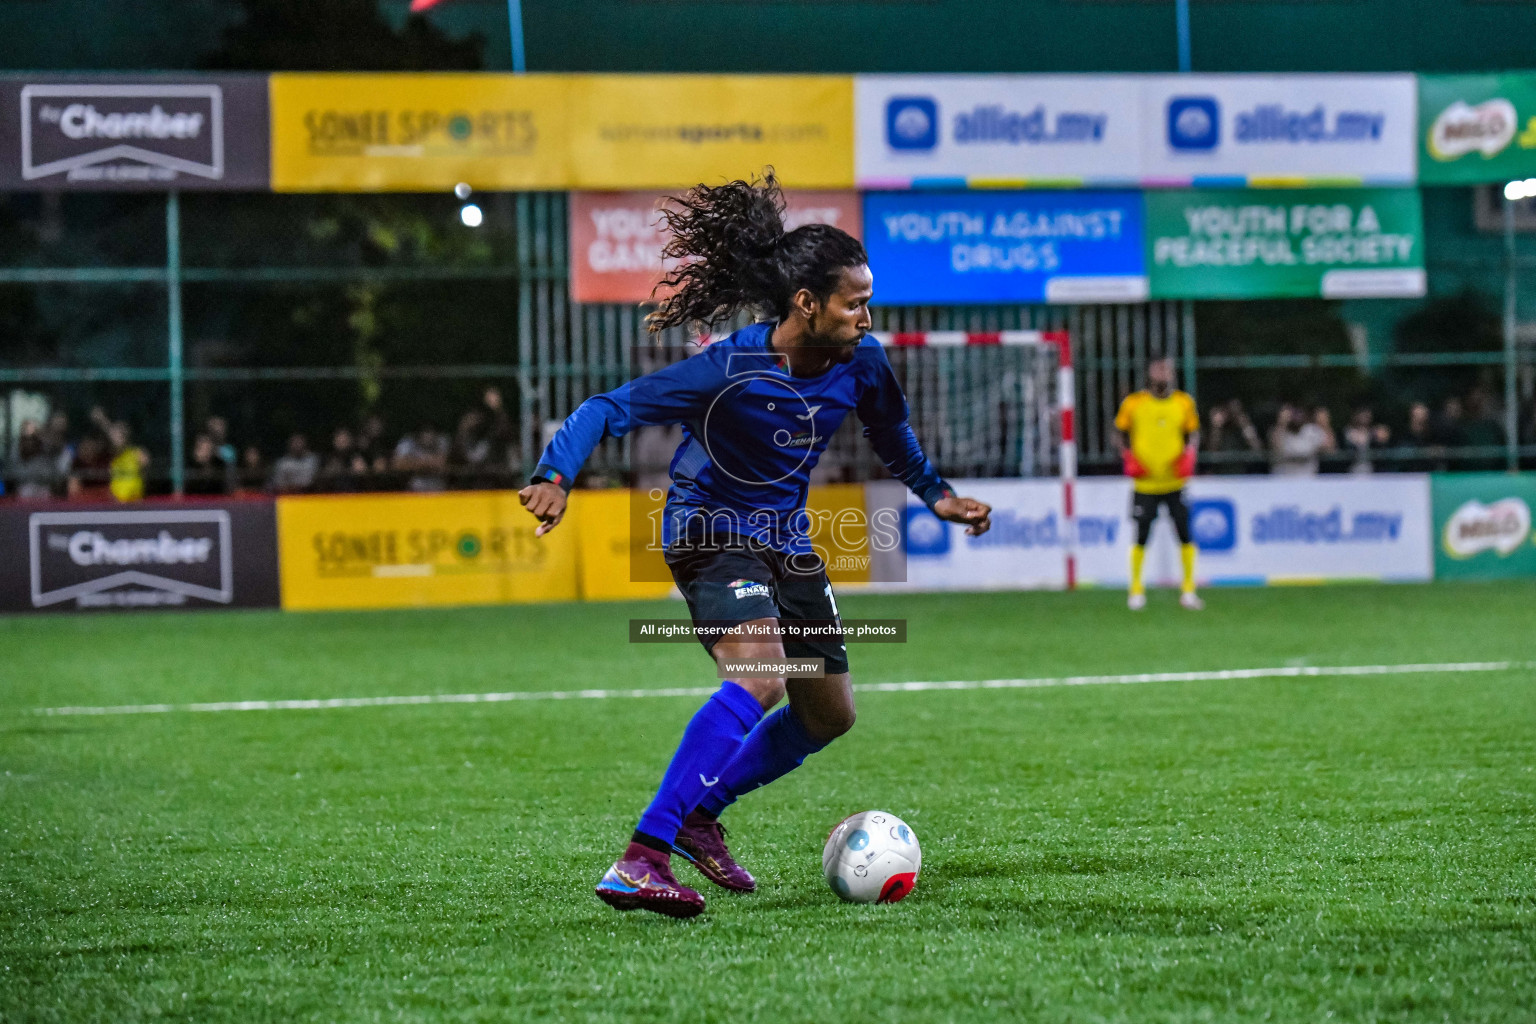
[{"x": 751, "y": 435}]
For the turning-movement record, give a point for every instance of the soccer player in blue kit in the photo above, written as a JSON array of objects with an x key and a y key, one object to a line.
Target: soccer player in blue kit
[{"x": 757, "y": 409}]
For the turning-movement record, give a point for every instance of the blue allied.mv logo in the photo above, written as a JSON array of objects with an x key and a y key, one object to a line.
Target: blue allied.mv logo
[
  {"x": 1213, "y": 524},
  {"x": 1194, "y": 123},
  {"x": 911, "y": 122},
  {"x": 924, "y": 532}
]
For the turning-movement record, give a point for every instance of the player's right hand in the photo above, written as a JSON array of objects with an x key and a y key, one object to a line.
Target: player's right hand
[
  {"x": 1132, "y": 465},
  {"x": 546, "y": 501}
]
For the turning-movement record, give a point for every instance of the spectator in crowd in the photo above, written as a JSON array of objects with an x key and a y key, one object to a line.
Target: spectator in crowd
[
  {"x": 1230, "y": 433},
  {"x": 1362, "y": 437},
  {"x": 1298, "y": 442},
  {"x": 1448, "y": 427},
  {"x": 33, "y": 474},
  {"x": 205, "y": 472},
  {"x": 224, "y": 451},
  {"x": 375, "y": 450},
  {"x": 91, "y": 471},
  {"x": 1330, "y": 459},
  {"x": 500, "y": 434},
  {"x": 57, "y": 447},
  {"x": 344, "y": 469},
  {"x": 1481, "y": 428},
  {"x": 1420, "y": 437},
  {"x": 217, "y": 429},
  {"x": 424, "y": 455},
  {"x": 296, "y": 469},
  {"x": 253, "y": 469},
  {"x": 471, "y": 447},
  {"x": 128, "y": 464}
]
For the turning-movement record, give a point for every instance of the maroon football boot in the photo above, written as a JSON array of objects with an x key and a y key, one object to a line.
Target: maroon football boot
[
  {"x": 702, "y": 841},
  {"x": 642, "y": 880}
]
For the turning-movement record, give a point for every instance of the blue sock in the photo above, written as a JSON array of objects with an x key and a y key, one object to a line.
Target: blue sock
[
  {"x": 775, "y": 748},
  {"x": 709, "y": 743}
]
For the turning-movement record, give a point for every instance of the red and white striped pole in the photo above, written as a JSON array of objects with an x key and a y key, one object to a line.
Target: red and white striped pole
[{"x": 1066, "y": 397}]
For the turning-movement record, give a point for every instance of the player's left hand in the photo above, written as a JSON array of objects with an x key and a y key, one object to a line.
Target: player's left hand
[
  {"x": 975, "y": 515},
  {"x": 545, "y": 500}
]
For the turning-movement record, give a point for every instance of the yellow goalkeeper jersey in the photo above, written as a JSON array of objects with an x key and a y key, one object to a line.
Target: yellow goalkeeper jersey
[{"x": 1159, "y": 428}]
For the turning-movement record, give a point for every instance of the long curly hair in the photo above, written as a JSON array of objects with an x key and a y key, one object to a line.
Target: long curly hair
[{"x": 734, "y": 254}]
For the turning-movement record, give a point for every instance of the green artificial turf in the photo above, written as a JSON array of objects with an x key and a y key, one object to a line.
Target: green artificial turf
[{"x": 1301, "y": 849}]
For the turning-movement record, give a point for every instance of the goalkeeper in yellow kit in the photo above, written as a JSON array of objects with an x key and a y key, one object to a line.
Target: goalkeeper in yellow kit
[{"x": 1159, "y": 435}]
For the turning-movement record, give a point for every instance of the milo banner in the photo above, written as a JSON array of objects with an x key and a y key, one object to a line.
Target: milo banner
[
  {"x": 1483, "y": 525},
  {"x": 1334, "y": 243},
  {"x": 114, "y": 132},
  {"x": 152, "y": 555},
  {"x": 1476, "y": 129}
]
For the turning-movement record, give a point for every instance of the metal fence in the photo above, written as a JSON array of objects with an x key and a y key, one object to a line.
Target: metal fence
[{"x": 981, "y": 412}]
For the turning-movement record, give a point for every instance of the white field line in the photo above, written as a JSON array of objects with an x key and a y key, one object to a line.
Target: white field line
[{"x": 1218, "y": 675}]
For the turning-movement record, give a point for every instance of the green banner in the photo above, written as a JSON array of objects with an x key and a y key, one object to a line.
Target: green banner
[
  {"x": 1249, "y": 244},
  {"x": 1477, "y": 129},
  {"x": 1483, "y": 525}
]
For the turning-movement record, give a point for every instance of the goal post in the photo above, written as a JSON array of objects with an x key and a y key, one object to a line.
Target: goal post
[{"x": 1059, "y": 343}]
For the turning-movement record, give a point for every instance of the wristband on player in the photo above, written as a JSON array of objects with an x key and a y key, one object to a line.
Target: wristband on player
[
  {"x": 938, "y": 494},
  {"x": 545, "y": 474}
]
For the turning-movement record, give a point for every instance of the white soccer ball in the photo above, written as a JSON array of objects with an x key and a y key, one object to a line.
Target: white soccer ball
[{"x": 872, "y": 857}]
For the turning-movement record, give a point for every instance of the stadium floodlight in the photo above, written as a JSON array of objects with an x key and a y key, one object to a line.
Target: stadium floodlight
[
  {"x": 1518, "y": 190},
  {"x": 471, "y": 215}
]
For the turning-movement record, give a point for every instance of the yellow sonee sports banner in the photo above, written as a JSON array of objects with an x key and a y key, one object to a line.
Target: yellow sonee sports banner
[
  {"x": 428, "y": 132},
  {"x": 478, "y": 547},
  {"x": 668, "y": 131},
  {"x": 614, "y": 561},
  {"x": 414, "y": 550},
  {"x": 418, "y": 132}
]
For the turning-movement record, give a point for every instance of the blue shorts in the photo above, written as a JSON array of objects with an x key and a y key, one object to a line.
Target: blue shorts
[{"x": 726, "y": 585}]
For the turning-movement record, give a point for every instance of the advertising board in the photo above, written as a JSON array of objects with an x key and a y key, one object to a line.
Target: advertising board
[
  {"x": 617, "y": 237},
  {"x": 1330, "y": 243},
  {"x": 418, "y": 550},
  {"x": 419, "y": 132},
  {"x": 1477, "y": 129},
  {"x": 1265, "y": 130},
  {"x": 120, "y": 132},
  {"x": 1012, "y": 131},
  {"x": 1000, "y": 247},
  {"x": 1249, "y": 530},
  {"x": 152, "y": 555},
  {"x": 665, "y": 131},
  {"x": 1483, "y": 525}
]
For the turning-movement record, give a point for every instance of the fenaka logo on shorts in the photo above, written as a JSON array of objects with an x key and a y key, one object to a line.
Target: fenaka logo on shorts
[
  {"x": 746, "y": 588},
  {"x": 130, "y": 559},
  {"x": 146, "y": 133}
]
